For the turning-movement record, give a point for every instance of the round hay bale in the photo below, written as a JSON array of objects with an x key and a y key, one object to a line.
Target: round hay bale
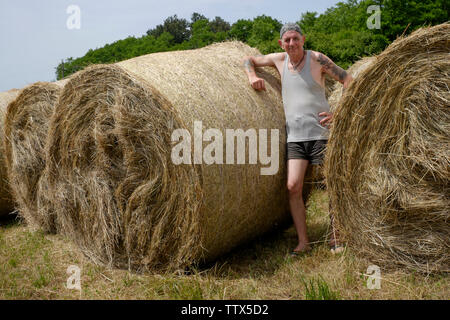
[
  {"x": 388, "y": 159},
  {"x": 6, "y": 202},
  {"x": 26, "y": 126},
  {"x": 110, "y": 174},
  {"x": 355, "y": 70}
]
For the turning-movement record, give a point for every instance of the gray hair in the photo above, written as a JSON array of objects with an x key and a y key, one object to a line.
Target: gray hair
[{"x": 289, "y": 27}]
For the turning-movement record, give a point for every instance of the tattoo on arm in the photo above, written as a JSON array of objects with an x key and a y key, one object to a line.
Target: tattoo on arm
[
  {"x": 329, "y": 65},
  {"x": 249, "y": 64}
]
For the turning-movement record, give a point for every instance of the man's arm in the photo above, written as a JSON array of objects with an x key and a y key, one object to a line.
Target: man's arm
[
  {"x": 338, "y": 74},
  {"x": 251, "y": 62},
  {"x": 333, "y": 70}
]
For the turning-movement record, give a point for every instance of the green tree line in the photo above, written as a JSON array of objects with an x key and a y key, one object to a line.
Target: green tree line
[{"x": 341, "y": 32}]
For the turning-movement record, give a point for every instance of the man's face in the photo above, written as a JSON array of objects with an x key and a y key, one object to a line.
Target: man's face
[{"x": 291, "y": 41}]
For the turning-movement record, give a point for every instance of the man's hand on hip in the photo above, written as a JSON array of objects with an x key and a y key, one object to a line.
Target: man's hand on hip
[{"x": 327, "y": 120}]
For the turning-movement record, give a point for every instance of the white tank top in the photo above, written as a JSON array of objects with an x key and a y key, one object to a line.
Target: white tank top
[{"x": 303, "y": 100}]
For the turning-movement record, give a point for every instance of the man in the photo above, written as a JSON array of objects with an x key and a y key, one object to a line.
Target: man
[{"x": 307, "y": 113}]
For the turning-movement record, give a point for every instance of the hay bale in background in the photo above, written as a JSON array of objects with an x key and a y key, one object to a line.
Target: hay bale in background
[
  {"x": 6, "y": 203},
  {"x": 388, "y": 158},
  {"x": 355, "y": 70},
  {"x": 330, "y": 84},
  {"x": 26, "y": 126},
  {"x": 116, "y": 191}
]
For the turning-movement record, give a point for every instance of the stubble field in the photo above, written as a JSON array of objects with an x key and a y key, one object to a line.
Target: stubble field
[{"x": 34, "y": 265}]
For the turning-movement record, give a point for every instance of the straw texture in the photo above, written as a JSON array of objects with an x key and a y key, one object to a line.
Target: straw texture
[
  {"x": 388, "y": 159},
  {"x": 6, "y": 203},
  {"x": 26, "y": 126}
]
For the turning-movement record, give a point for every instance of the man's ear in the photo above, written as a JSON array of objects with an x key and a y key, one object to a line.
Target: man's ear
[
  {"x": 280, "y": 43},
  {"x": 303, "y": 38}
]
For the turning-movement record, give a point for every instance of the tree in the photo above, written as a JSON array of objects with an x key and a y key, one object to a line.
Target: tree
[
  {"x": 178, "y": 28},
  {"x": 219, "y": 25},
  {"x": 265, "y": 34},
  {"x": 307, "y": 21},
  {"x": 241, "y": 30},
  {"x": 157, "y": 31},
  {"x": 405, "y": 16},
  {"x": 201, "y": 34},
  {"x": 197, "y": 16}
]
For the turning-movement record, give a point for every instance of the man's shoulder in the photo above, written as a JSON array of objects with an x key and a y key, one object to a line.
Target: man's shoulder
[
  {"x": 315, "y": 54},
  {"x": 319, "y": 59},
  {"x": 277, "y": 56}
]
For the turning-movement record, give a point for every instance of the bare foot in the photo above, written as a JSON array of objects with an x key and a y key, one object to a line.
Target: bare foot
[
  {"x": 337, "y": 249},
  {"x": 302, "y": 248}
]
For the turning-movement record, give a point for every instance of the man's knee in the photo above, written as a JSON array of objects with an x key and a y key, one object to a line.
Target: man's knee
[{"x": 294, "y": 187}]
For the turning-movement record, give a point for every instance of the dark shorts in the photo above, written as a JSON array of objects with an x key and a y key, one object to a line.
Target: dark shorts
[{"x": 314, "y": 150}]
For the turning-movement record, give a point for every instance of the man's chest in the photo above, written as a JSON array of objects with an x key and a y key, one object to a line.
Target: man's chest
[{"x": 314, "y": 69}]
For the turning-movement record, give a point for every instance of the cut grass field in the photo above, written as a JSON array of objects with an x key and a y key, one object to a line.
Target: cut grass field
[{"x": 34, "y": 266}]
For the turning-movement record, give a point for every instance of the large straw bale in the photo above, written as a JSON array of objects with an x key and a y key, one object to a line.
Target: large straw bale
[
  {"x": 6, "y": 202},
  {"x": 109, "y": 170},
  {"x": 26, "y": 126},
  {"x": 388, "y": 159}
]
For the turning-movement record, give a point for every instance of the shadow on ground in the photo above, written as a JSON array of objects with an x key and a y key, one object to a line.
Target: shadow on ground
[{"x": 264, "y": 255}]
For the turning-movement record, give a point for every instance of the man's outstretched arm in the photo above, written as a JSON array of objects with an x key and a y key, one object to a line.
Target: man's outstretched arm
[{"x": 251, "y": 62}]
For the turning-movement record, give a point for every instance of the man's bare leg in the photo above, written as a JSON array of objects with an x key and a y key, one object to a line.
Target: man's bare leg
[{"x": 296, "y": 174}]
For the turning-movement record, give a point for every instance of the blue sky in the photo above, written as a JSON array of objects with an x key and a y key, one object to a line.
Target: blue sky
[{"x": 34, "y": 36}]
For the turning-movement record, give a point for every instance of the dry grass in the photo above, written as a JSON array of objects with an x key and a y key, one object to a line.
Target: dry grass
[
  {"x": 388, "y": 158},
  {"x": 33, "y": 266}
]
